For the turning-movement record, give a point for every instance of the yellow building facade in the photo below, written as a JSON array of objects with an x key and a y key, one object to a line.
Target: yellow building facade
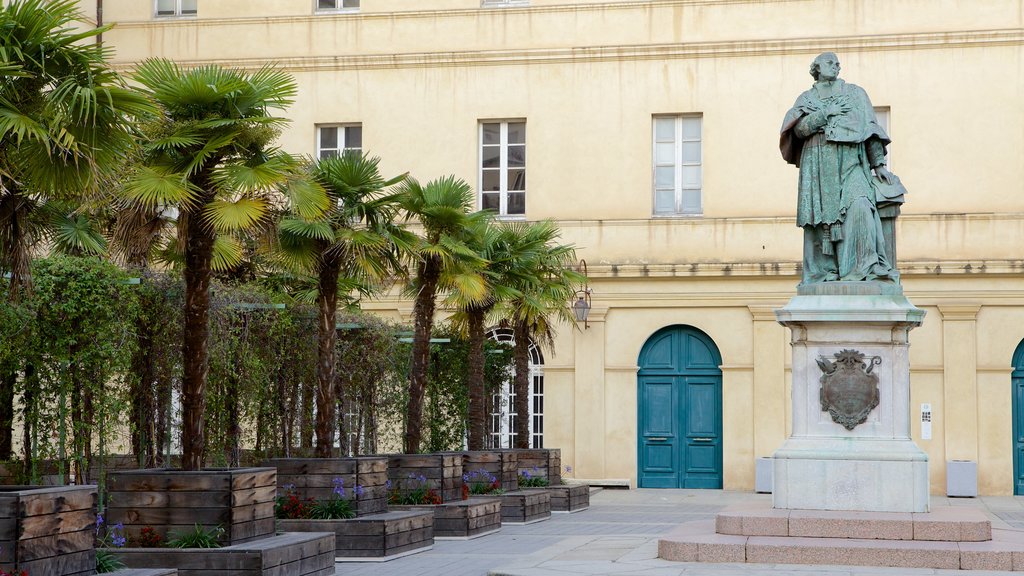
[{"x": 648, "y": 129}]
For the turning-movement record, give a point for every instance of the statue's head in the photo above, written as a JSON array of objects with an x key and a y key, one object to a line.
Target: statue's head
[{"x": 828, "y": 60}]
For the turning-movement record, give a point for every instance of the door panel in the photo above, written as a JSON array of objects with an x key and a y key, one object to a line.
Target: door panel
[
  {"x": 1018, "y": 431},
  {"x": 658, "y": 450}
]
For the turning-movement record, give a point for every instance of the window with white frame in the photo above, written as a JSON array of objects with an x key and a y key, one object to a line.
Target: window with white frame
[
  {"x": 165, "y": 8},
  {"x": 502, "y": 433},
  {"x": 333, "y": 139},
  {"x": 503, "y": 3},
  {"x": 337, "y": 5},
  {"x": 503, "y": 167},
  {"x": 678, "y": 172},
  {"x": 882, "y": 115}
]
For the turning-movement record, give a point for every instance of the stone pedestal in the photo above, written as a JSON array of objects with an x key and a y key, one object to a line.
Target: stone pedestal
[{"x": 875, "y": 466}]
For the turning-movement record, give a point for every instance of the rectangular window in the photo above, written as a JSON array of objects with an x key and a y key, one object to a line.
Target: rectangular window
[
  {"x": 678, "y": 174},
  {"x": 166, "y": 8},
  {"x": 882, "y": 115},
  {"x": 503, "y": 167},
  {"x": 337, "y": 5},
  {"x": 333, "y": 139}
]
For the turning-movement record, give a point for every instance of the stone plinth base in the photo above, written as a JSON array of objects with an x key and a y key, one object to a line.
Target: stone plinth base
[
  {"x": 850, "y": 447},
  {"x": 956, "y": 538},
  {"x": 851, "y": 474}
]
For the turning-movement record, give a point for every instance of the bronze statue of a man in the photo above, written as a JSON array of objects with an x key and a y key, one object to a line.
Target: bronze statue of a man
[{"x": 832, "y": 135}]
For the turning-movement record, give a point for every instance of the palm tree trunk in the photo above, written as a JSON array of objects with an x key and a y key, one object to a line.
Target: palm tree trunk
[
  {"x": 327, "y": 300},
  {"x": 475, "y": 378},
  {"x": 521, "y": 383},
  {"x": 195, "y": 347},
  {"x": 423, "y": 315}
]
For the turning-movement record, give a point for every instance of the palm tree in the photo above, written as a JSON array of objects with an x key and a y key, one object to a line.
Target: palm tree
[
  {"x": 209, "y": 155},
  {"x": 504, "y": 247},
  {"x": 65, "y": 126},
  {"x": 357, "y": 241},
  {"x": 444, "y": 261},
  {"x": 546, "y": 283}
]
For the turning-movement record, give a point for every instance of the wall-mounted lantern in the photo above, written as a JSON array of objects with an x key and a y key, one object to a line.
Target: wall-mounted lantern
[{"x": 581, "y": 307}]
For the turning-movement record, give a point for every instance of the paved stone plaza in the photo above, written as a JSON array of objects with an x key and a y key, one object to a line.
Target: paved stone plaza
[{"x": 619, "y": 535}]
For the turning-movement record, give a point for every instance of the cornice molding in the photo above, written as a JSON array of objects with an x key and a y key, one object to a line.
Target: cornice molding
[
  {"x": 592, "y": 54},
  {"x": 497, "y": 12}
]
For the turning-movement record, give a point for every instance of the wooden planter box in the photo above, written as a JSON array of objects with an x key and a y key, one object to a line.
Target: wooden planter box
[
  {"x": 48, "y": 531},
  {"x": 525, "y": 506},
  {"x": 314, "y": 478},
  {"x": 503, "y": 464},
  {"x": 306, "y": 554},
  {"x": 382, "y": 536},
  {"x": 443, "y": 472},
  {"x": 464, "y": 519},
  {"x": 145, "y": 572},
  {"x": 547, "y": 461},
  {"x": 569, "y": 497},
  {"x": 241, "y": 500}
]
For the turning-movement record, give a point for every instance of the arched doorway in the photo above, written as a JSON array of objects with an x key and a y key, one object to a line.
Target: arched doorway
[
  {"x": 1017, "y": 382},
  {"x": 679, "y": 401},
  {"x": 502, "y": 429}
]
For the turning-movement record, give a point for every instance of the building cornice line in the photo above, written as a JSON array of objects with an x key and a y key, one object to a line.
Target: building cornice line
[
  {"x": 908, "y": 268},
  {"x": 921, "y": 41},
  {"x": 569, "y": 7}
]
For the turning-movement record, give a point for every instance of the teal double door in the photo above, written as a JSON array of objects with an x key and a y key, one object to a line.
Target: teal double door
[{"x": 679, "y": 399}]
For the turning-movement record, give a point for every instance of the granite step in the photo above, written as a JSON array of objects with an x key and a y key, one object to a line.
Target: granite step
[
  {"x": 942, "y": 524},
  {"x": 698, "y": 542}
]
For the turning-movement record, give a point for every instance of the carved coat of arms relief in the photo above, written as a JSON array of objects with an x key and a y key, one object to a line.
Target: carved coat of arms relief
[{"x": 849, "y": 388}]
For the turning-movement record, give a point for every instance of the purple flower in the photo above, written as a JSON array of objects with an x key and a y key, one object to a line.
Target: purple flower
[
  {"x": 388, "y": 484},
  {"x": 526, "y": 473},
  {"x": 358, "y": 490},
  {"x": 568, "y": 469},
  {"x": 339, "y": 487},
  {"x": 465, "y": 477}
]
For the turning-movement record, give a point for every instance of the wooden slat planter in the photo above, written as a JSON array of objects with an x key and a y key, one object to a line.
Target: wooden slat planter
[
  {"x": 443, "y": 471},
  {"x": 289, "y": 554},
  {"x": 241, "y": 500},
  {"x": 376, "y": 537},
  {"x": 144, "y": 572},
  {"x": 503, "y": 464},
  {"x": 569, "y": 497},
  {"x": 547, "y": 461},
  {"x": 464, "y": 519},
  {"x": 525, "y": 506},
  {"x": 48, "y": 530},
  {"x": 314, "y": 478}
]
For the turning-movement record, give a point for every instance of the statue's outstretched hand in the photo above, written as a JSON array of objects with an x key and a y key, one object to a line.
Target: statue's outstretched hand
[{"x": 883, "y": 173}]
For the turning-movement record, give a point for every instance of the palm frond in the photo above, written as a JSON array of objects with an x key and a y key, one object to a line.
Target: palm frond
[
  {"x": 227, "y": 253},
  {"x": 241, "y": 214},
  {"x": 155, "y": 186}
]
